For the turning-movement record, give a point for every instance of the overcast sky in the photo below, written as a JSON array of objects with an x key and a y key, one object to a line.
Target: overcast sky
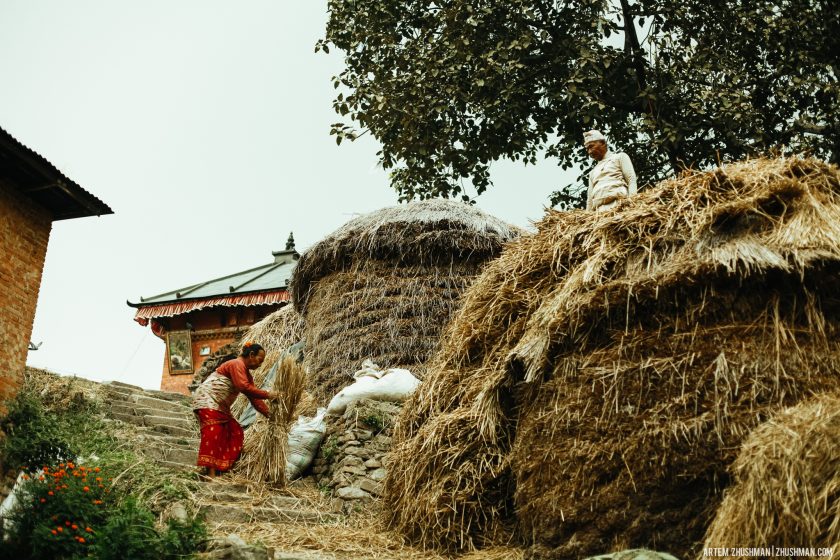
[{"x": 205, "y": 126}]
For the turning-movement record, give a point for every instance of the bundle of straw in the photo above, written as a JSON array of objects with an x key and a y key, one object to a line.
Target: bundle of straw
[
  {"x": 276, "y": 333},
  {"x": 264, "y": 450}
]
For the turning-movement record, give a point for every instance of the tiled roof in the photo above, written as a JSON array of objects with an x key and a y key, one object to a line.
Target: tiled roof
[{"x": 41, "y": 181}]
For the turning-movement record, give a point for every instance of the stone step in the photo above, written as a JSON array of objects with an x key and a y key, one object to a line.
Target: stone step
[
  {"x": 127, "y": 418},
  {"x": 175, "y": 430},
  {"x": 171, "y": 421},
  {"x": 126, "y": 388},
  {"x": 173, "y": 454},
  {"x": 175, "y": 466},
  {"x": 143, "y": 412},
  {"x": 225, "y": 513},
  {"x": 157, "y": 438}
]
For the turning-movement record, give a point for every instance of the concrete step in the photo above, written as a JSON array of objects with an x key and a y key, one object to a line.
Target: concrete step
[
  {"x": 226, "y": 513},
  {"x": 127, "y": 418}
]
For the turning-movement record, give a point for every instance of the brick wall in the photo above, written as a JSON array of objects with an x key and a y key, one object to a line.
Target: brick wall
[{"x": 24, "y": 233}]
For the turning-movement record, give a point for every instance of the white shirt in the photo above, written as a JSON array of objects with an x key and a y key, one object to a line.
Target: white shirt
[{"x": 612, "y": 178}]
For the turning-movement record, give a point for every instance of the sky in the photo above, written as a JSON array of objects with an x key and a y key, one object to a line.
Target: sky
[{"x": 205, "y": 126}]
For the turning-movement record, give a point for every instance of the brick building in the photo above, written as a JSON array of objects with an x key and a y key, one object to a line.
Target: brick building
[
  {"x": 196, "y": 321},
  {"x": 33, "y": 194}
]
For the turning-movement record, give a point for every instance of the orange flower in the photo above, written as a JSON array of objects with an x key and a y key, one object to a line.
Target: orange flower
[
  {"x": 74, "y": 527},
  {"x": 60, "y": 529},
  {"x": 88, "y": 529},
  {"x": 96, "y": 469},
  {"x": 86, "y": 489},
  {"x": 67, "y": 523},
  {"x": 54, "y": 532},
  {"x": 50, "y": 493},
  {"x": 98, "y": 479},
  {"x": 81, "y": 539},
  {"x": 43, "y": 500}
]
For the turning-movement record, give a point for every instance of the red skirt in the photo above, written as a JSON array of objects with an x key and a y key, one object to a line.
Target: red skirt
[{"x": 221, "y": 439}]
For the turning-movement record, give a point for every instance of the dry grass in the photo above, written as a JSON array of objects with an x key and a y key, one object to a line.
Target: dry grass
[
  {"x": 786, "y": 490},
  {"x": 275, "y": 333},
  {"x": 602, "y": 373},
  {"x": 264, "y": 449},
  {"x": 358, "y": 536},
  {"x": 383, "y": 285}
]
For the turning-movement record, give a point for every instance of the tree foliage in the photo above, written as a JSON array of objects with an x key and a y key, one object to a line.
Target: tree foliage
[{"x": 450, "y": 86}]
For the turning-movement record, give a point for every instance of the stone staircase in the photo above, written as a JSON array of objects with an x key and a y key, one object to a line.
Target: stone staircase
[{"x": 166, "y": 425}]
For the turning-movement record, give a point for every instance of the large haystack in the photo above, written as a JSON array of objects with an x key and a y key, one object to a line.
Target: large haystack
[
  {"x": 786, "y": 490},
  {"x": 384, "y": 284},
  {"x": 601, "y": 374}
]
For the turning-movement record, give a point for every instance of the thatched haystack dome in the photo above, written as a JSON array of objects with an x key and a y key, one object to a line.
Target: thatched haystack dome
[
  {"x": 601, "y": 374},
  {"x": 384, "y": 284},
  {"x": 786, "y": 489}
]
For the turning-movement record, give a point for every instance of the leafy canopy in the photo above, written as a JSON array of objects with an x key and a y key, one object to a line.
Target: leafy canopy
[{"x": 449, "y": 86}]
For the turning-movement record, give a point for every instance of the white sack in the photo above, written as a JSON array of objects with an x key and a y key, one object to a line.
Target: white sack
[
  {"x": 304, "y": 438},
  {"x": 392, "y": 385}
]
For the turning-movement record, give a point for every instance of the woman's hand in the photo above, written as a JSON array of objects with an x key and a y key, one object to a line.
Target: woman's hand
[{"x": 273, "y": 396}]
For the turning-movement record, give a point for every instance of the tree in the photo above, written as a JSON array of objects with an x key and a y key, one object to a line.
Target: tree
[{"x": 450, "y": 86}]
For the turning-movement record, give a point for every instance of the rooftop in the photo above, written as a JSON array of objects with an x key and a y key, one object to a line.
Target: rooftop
[
  {"x": 262, "y": 285},
  {"x": 42, "y": 182}
]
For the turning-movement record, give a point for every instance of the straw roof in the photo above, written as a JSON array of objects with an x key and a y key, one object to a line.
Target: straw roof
[
  {"x": 601, "y": 374},
  {"x": 427, "y": 232},
  {"x": 786, "y": 483}
]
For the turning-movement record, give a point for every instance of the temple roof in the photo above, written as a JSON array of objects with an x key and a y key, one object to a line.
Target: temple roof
[
  {"x": 42, "y": 182},
  {"x": 262, "y": 285}
]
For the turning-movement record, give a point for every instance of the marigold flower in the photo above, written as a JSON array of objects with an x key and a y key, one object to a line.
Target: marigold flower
[
  {"x": 67, "y": 523},
  {"x": 81, "y": 539},
  {"x": 60, "y": 529},
  {"x": 50, "y": 493},
  {"x": 98, "y": 479},
  {"x": 96, "y": 469},
  {"x": 54, "y": 532},
  {"x": 43, "y": 500},
  {"x": 74, "y": 527},
  {"x": 88, "y": 529},
  {"x": 86, "y": 489}
]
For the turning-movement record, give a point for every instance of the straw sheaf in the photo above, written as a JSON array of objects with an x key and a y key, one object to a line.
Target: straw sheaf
[
  {"x": 430, "y": 232},
  {"x": 264, "y": 448},
  {"x": 786, "y": 489},
  {"x": 275, "y": 333},
  {"x": 613, "y": 362}
]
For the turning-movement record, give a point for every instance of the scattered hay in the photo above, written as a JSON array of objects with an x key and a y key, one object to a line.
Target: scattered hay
[
  {"x": 61, "y": 392},
  {"x": 602, "y": 373},
  {"x": 358, "y": 536},
  {"x": 275, "y": 333},
  {"x": 264, "y": 449},
  {"x": 384, "y": 284},
  {"x": 786, "y": 490}
]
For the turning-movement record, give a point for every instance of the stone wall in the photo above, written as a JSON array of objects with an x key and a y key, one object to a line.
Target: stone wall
[
  {"x": 24, "y": 233},
  {"x": 352, "y": 459}
]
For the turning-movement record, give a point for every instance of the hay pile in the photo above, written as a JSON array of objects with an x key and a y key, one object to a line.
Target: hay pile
[
  {"x": 601, "y": 374},
  {"x": 384, "y": 284},
  {"x": 264, "y": 449},
  {"x": 786, "y": 490},
  {"x": 275, "y": 333}
]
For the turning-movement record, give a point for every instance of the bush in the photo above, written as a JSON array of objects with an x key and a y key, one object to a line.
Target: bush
[
  {"x": 68, "y": 512},
  {"x": 33, "y": 437},
  {"x": 59, "y": 512}
]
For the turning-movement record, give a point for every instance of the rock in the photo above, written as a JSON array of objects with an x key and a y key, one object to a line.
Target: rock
[
  {"x": 351, "y": 493},
  {"x": 349, "y": 469},
  {"x": 378, "y": 475},
  {"x": 364, "y": 435},
  {"x": 634, "y": 554},
  {"x": 372, "y": 487},
  {"x": 178, "y": 512},
  {"x": 234, "y": 548},
  {"x": 373, "y": 464}
]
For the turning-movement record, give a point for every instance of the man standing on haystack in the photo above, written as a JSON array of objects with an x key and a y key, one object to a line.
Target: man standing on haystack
[{"x": 612, "y": 178}]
